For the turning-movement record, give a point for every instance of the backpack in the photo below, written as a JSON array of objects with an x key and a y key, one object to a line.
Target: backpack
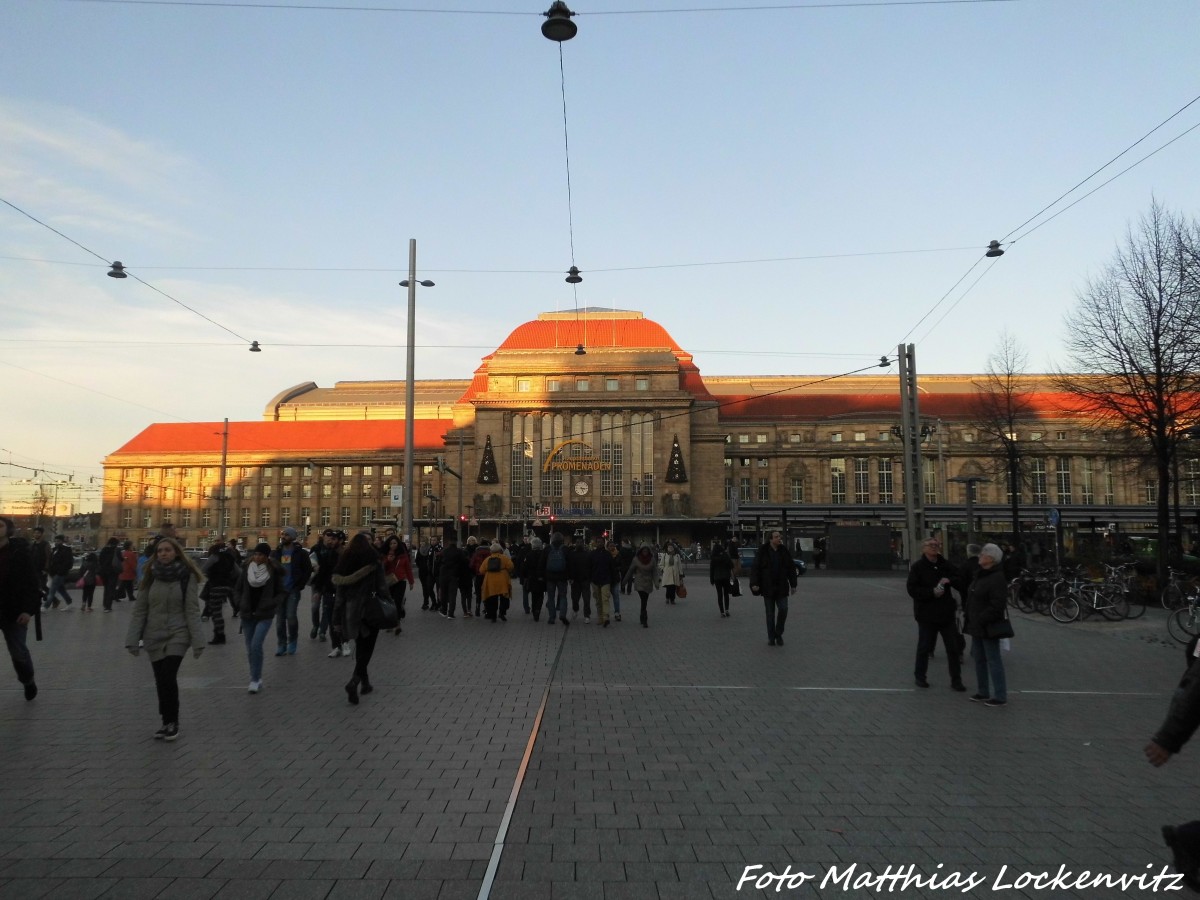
[
  {"x": 493, "y": 564},
  {"x": 556, "y": 562}
]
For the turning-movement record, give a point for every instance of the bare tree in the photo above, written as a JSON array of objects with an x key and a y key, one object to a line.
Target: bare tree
[
  {"x": 1004, "y": 402},
  {"x": 1133, "y": 341}
]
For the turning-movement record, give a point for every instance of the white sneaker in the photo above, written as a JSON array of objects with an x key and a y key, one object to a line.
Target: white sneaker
[
  {"x": 335, "y": 652},
  {"x": 587, "y": 621},
  {"x": 255, "y": 687},
  {"x": 347, "y": 649}
]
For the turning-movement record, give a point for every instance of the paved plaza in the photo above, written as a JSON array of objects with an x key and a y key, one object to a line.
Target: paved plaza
[{"x": 518, "y": 760}]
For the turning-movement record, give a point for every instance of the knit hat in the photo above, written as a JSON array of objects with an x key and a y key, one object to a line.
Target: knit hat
[
  {"x": 291, "y": 532},
  {"x": 263, "y": 548}
]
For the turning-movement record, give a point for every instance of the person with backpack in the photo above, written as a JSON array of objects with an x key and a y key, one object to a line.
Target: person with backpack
[
  {"x": 644, "y": 576},
  {"x": 221, "y": 573},
  {"x": 166, "y": 619},
  {"x": 600, "y": 573},
  {"x": 496, "y": 583},
  {"x": 556, "y": 571}
]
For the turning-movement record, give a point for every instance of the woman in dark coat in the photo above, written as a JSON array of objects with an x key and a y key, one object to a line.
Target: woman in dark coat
[
  {"x": 533, "y": 576},
  {"x": 398, "y": 571},
  {"x": 987, "y": 599},
  {"x": 256, "y": 596},
  {"x": 358, "y": 575},
  {"x": 720, "y": 573}
]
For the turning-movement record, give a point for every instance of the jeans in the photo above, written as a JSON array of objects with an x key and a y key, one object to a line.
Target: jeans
[
  {"x": 364, "y": 648},
  {"x": 524, "y": 595},
  {"x": 722, "y": 595},
  {"x": 927, "y": 636},
  {"x": 110, "y": 591},
  {"x": 614, "y": 591},
  {"x": 581, "y": 590},
  {"x": 777, "y": 610},
  {"x": 556, "y": 599},
  {"x": 325, "y": 621},
  {"x": 986, "y": 653},
  {"x": 256, "y": 634},
  {"x": 58, "y": 585},
  {"x": 449, "y": 593},
  {"x": 166, "y": 682},
  {"x": 15, "y": 638},
  {"x": 287, "y": 623}
]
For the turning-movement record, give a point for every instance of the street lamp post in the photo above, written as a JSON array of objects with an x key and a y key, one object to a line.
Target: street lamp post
[
  {"x": 970, "y": 481},
  {"x": 410, "y": 283},
  {"x": 1014, "y": 485}
]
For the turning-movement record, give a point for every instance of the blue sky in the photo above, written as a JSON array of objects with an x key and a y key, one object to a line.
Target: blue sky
[{"x": 219, "y": 151}]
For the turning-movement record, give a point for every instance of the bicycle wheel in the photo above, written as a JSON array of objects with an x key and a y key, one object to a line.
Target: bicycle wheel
[
  {"x": 1172, "y": 596},
  {"x": 1112, "y": 603},
  {"x": 1136, "y": 603},
  {"x": 1042, "y": 598},
  {"x": 1014, "y": 593},
  {"x": 1064, "y": 609},
  {"x": 1184, "y": 624}
]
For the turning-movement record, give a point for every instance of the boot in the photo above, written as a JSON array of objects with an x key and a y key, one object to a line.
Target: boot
[
  {"x": 217, "y": 639},
  {"x": 352, "y": 691}
]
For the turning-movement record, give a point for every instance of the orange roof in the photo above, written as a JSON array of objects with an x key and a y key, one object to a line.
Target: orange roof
[
  {"x": 568, "y": 333},
  {"x": 824, "y": 406},
  {"x": 305, "y": 437}
]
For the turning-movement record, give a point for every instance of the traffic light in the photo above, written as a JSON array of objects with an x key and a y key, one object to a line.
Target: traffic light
[
  {"x": 307, "y": 530},
  {"x": 606, "y": 533},
  {"x": 462, "y": 518},
  {"x": 552, "y": 518}
]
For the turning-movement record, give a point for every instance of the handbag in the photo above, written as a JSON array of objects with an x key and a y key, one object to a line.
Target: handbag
[
  {"x": 380, "y": 612},
  {"x": 1000, "y": 629},
  {"x": 735, "y": 587},
  {"x": 681, "y": 592}
]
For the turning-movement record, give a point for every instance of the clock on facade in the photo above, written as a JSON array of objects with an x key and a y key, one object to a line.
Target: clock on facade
[{"x": 582, "y": 487}]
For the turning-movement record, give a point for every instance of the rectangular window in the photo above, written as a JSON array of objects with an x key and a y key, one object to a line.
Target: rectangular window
[
  {"x": 247, "y": 491},
  {"x": 264, "y": 518},
  {"x": 225, "y": 514},
  {"x": 147, "y": 519},
  {"x": 862, "y": 480},
  {"x": 306, "y": 491},
  {"x": 127, "y": 518},
  {"x": 147, "y": 473},
  {"x": 1035, "y": 435},
  {"x": 837, "y": 480},
  {"x": 305, "y": 515},
  {"x": 883, "y": 474},
  {"x": 762, "y": 462},
  {"x": 246, "y": 473},
  {"x": 612, "y": 384},
  {"x": 1108, "y": 485},
  {"x": 728, "y": 489},
  {"x": 168, "y": 473},
  {"x": 744, "y": 490},
  {"x": 968, "y": 437},
  {"x": 327, "y": 490},
  {"x": 1037, "y": 480},
  {"x": 326, "y": 471},
  {"x": 426, "y": 488},
  {"x": 1086, "y": 490},
  {"x": 206, "y": 518},
  {"x": 185, "y": 518},
  {"x": 285, "y": 515},
  {"x": 1151, "y": 490},
  {"x": 760, "y": 438},
  {"x": 797, "y": 487},
  {"x": 285, "y": 491},
  {"x": 553, "y": 385},
  {"x": 1060, "y": 435},
  {"x": 836, "y": 437},
  {"x": 267, "y": 491},
  {"x": 367, "y": 515},
  {"x": 764, "y": 490},
  {"x": 368, "y": 471},
  {"x": 287, "y": 471},
  {"x": 127, "y": 493},
  {"x": 245, "y": 516},
  {"x": 347, "y": 471},
  {"x": 345, "y": 517},
  {"x": 743, "y": 438},
  {"x": 268, "y": 471},
  {"x": 794, "y": 438},
  {"x": 366, "y": 489},
  {"x": 885, "y": 435},
  {"x": 524, "y": 385},
  {"x": 1062, "y": 469},
  {"x": 387, "y": 470},
  {"x": 642, "y": 384},
  {"x": 185, "y": 473},
  {"x": 582, "y": 384},
  {"x": 325, "y": 520},
  {"x": 860, "y": 435},
  {"x": 929, "y": 474}
]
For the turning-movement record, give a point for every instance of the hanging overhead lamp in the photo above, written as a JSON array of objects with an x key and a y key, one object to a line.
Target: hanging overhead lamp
[
  {"x": 994, "y": 250},
  {"x": 558, "y": 26},
  {"x": 117, "y": 271},
  {"x": 254, "y": 348},
  {"x": 573, "y": 276}
]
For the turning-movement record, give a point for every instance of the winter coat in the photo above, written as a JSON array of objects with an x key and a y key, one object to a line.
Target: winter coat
[
  {"x": 89, "y": 569},
  {"x": 763, "y": 574},
  {"x": 166, "y": 619},
  {"x": 255, "y": 604},
  {"x": 110, "y": 563},
  {"x": 986, "y": 599},
  {"x": 720, "y": 566},
  {"x": 923, "y": 577},
  {"x": 400, "y": 567},
  {"x": 496, "y": 584},
  {"x": 533, "y": 570},
  {"x": 20, "y": 587},
  {"x": 1183, "y": 715},
  {"x": 301, "y": 566},
  {"x": 61, "y": 560},
  {"x": 579, "y": 562},
  {"x": 451, "y": 565},
  {"x": 672, "y": 569},
  {"x": 644, "y": 576},
  {"x": 352, "y": 591},
  {"x": 601, "y": 566}
]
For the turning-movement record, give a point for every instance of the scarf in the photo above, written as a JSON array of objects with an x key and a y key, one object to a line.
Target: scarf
[
  {"x": 172, "y": 571},
  {"x": 258, "y": 574}
]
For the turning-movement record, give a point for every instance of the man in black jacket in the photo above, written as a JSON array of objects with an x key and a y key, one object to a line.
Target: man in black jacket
[
  {"x": 930, "y": 579},
  {"x": 1183, "y": 717},
  {"x": 19, "y": 598},
  {"x": 452, "y": 576},
  {"x": 773, "y": 577},
  {"x": 110, "y": 570},
  {"x": 61, "y": 561}
]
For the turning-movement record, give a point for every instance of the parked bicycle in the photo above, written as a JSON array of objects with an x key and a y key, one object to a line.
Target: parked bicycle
[
  {"x": 1184, "y": 623},
  {"x": 1179, "y": 586}
]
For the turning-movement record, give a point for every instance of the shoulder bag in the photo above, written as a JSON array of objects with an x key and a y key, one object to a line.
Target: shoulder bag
[
  {"x": 1000, "y": 629},
  {"x": 380, "y": 612}
]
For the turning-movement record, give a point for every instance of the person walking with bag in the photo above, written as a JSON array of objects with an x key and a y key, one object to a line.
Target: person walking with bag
[
  {"x": 398, "y": 571},
  {"x": 720, "y": 573},
  {"x": 644, "y": 577},
  {"x": 987, "y": 608},
  {"x": 166, "y": 619},
  {"x": 496, "y": 583},
  {"x": 357, "y": 576},
  {"x": 773, "y": 577},
  {"x": 256, "y": 597}
]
